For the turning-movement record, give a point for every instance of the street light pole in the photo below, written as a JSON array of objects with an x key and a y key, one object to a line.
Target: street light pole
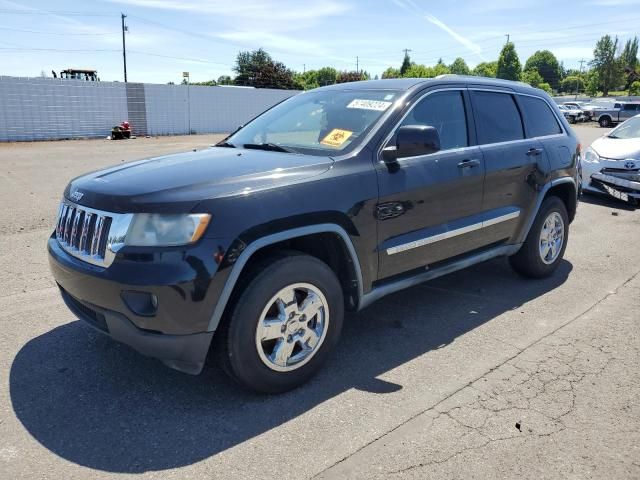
[{"x": 124, "y": 48}]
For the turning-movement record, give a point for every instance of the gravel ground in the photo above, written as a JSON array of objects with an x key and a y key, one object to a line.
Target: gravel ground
[{"x": 478, "y": 374}]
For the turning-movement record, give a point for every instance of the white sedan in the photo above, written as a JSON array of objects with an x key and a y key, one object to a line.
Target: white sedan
[{"x": 612, "y": 163}]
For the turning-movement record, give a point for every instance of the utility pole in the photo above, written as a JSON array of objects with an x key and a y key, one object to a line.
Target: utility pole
[
  {"x": 357, "y": 65},
  {"x": 304, "y": 68},
  {"x": 124, "y": 48},
  {"x": 406, "y": 51},
  {"x": 508, "y": 36}
]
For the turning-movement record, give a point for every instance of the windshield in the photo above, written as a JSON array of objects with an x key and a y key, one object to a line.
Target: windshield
[
  {"x": 326, "y": 122},
  {"x": 629, "y": 129}
]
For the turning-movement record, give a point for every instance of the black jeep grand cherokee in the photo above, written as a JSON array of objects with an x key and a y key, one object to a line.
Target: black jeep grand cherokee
[{"x": 329, "y": 200}]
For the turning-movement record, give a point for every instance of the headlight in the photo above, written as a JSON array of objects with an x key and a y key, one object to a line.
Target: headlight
[
  {"x": 590, "y": 156},
  {"x": 154, "y": 230}
]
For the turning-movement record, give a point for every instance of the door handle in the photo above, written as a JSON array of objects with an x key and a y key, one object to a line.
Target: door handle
[
  {"x": 469, "y": 163},
  {"x": 534, "y": 151}
]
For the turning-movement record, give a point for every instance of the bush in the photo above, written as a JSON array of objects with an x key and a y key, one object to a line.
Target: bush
[
  {"x": 572, "y": 84},
  {"x": 546, "y": 87},
  {"x": 634, "y": 89}
]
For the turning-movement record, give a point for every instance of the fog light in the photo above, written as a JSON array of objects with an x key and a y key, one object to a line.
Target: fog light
[{"x": 143, "y": 304}]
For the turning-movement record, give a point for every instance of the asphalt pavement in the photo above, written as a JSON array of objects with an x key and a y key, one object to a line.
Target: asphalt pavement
[{"x": 479, "y": 374}]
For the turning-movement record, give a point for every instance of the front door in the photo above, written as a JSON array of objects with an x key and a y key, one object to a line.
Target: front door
[{"x": 429, "y": 204}]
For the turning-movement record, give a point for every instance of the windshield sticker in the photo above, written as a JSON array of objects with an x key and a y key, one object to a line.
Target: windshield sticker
[
  {"x": 377, "y": 105},
  {"x": 389, "y": 96},
  {"x": 336, "y": 137}
]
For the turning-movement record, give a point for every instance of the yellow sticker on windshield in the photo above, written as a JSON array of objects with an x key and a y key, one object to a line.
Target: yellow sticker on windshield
[{"x": 336, "y": 137}]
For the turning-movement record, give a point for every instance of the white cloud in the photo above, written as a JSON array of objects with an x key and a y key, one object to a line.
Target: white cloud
[
  {"x": 268, "y": 40},
  {"x": 411, "y": 7},
  {"x": 250, "y": 10},
  {"x": 464, "y": 41}
]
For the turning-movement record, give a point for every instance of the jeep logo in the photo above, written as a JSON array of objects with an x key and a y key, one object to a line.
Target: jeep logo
[{"x": 77, "y": 195}]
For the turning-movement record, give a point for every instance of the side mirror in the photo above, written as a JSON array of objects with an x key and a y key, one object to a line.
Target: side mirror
[{"x": 412, "y": 141}]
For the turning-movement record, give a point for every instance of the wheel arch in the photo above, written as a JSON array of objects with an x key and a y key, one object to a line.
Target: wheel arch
[
  {"x": 329, "y": 242},
  {"x": 566, "y": 189}
]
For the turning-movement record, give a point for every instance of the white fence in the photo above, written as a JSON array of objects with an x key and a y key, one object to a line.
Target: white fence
[{"x": 47, "y": 108}]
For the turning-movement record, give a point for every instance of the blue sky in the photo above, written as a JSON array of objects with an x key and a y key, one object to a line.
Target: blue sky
[{"x": 205, "y": 35}]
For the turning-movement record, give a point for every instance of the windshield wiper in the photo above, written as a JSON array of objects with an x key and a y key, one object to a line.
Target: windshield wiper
[
  {"x": 612, "y": 136},
  {"x": 226, "y": 144},
  {"x": 271, "y": 147}
]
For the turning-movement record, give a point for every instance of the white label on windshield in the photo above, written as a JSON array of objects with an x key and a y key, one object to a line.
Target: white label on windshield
[{"x": 377, "y": 105}]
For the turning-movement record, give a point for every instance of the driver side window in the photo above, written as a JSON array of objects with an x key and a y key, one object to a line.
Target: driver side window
[{"x": 445, "y": 112}]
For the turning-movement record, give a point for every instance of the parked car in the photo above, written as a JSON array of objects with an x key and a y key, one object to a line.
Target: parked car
[
  {"x": 573, "y": 115},
  {"x": 620, "y": 112},
  {"x": 612, "y": 163},
  {"x": 328, "y": 201},
  {"x": 590, "y": 109}
]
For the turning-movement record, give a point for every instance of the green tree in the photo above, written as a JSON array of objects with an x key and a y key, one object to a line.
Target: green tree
[
  {"x": 546, "y": 64},
  {"x": 592, "y": 83},
  {"x": 634, "y": 89},
  {"x": 353, "y": 76},
  {"x": 460, "y": 67},
  {"x": 440, "y": 68},
  {"x": 225, "y": 80},
  {"x": 572, "y": 83},
  {"x": 486, "y": 69},
  {"x": 208, "y": 83},
  {"x": 546, "y": 87},
  {"x": 327, "y": 76},
  {"x": 509, "y": 67},
  {"x": 258, "y": 69},
  {"x": 420, "y": 71},
  {"x": 391, "y": 73},
  {"x": 605, "y": 63},
  {"x": 406, "y": 63},
  {"x": 629, "y": 55},
  {"x": 306, "y": 80},
  {"x": 533, "y": 78}
]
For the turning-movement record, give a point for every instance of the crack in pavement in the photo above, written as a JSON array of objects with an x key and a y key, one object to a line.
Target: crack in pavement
[{"x": 541, "y": 389}]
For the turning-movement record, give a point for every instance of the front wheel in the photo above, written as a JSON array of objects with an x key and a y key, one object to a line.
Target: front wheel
[
  {"x": 546, "y": 242},
  {"x": 283, "y": 325}
]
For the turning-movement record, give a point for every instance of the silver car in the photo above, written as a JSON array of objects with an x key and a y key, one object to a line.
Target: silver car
[{"x": 612, "y": 163}]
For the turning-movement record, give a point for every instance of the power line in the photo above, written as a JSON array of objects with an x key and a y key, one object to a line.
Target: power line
[
  {"x": 176, "y": 58},
  {"x": 54, "y": 12},
  {"x": 64, "y": 34},
  {"x": 25, "y": 49}
]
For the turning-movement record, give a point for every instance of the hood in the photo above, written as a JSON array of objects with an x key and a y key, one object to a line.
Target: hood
[
  {"x": 176, "y": 183},
  {"x": 617, "y": 148}
]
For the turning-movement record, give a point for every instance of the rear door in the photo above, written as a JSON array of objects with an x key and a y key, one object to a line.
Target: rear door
[{"x": 512, "y": 162}]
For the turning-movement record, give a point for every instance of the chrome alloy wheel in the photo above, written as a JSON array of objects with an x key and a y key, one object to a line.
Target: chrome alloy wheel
[
  {"x": 551, "y": 238},
  {"x": 292, "y": 327}
]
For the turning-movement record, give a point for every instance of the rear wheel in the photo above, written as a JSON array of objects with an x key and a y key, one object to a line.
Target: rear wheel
[
  {"x": 546, "y": 242},
  {"x": 283, "y": 325},
  {"x": 605, "y": 122}
]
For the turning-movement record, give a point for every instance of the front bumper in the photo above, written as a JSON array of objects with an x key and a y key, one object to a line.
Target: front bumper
[
  {"x": 608, "y": 176},
  {"x": 174, "y": 331}
]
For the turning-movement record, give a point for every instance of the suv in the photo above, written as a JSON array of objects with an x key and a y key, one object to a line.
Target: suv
[
  {"x": 620, "y": 112},
  {"x": 326, "y": 202}
]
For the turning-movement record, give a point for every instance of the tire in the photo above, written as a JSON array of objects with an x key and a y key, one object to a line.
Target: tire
[
  {"x": 531, "y": 260},
  {"x": 270, "y": 293},
  {"x": 605, "y": 122},
  {"x": 572, "y": 119}
]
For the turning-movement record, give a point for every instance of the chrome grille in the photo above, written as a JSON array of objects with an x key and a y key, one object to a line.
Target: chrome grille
[{"x": 84, "y": 233}]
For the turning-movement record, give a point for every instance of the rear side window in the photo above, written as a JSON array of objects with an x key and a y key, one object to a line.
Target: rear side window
[
  {"x": 497, "y": 117},
  {"x": 540, "y": 119}
]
